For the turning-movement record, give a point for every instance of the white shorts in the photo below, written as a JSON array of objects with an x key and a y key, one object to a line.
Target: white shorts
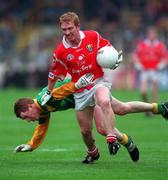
[
  {"x": 86, "y": 97},
  {"x": 149, "y": 75}
]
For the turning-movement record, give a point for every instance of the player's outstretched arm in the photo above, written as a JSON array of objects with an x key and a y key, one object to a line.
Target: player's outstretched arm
[
  {"x": 37, "y": 138},
  {"x": 68, "y": 88}
]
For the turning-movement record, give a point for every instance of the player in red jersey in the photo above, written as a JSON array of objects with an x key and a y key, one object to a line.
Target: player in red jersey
[
  {"x": 150, "y": 56},
  {"x": 31, "y": 110},
  {"x": 76, "y": 55}
]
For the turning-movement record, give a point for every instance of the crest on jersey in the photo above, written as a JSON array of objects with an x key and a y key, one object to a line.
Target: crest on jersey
[
  {"x": 89, "y": 47},
  {"x": 51, "y": 75},
  {"x": 70, "y": 57}
]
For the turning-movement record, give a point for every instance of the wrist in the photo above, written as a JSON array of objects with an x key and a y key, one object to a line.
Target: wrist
[
  {"x": 48, "y": 91},
  {"x": 31, "y": 147}
]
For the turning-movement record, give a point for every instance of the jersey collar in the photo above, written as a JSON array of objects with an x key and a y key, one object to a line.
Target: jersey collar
[
  {"x": 155, "y": 42},
  {"x": 67, "y": 45}
]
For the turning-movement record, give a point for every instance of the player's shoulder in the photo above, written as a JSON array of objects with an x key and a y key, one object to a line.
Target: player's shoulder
[
  {"x": 91, "y": 33},
  {"x": 142, "y": 43},
  {"x": 161, "y": 43},
  {"x": 59, "y": 50}
]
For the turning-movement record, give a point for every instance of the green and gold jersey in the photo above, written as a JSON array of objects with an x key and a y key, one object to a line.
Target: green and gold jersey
[
  {"x": 62, "y": 99},
  {"x": 56, "y": 103}
]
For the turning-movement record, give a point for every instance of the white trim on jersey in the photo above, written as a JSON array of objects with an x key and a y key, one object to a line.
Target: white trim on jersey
[
  {"x": 149, "y": 42},
  {"x": 98, "y": 42}
]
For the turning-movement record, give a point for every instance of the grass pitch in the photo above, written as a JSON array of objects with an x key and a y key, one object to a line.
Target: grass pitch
[{"x": 60, "y": 155}]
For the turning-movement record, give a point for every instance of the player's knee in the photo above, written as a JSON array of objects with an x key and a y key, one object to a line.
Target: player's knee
[
  {"x": 86, "y": 132},
  {"x": 105, "y": 105}
]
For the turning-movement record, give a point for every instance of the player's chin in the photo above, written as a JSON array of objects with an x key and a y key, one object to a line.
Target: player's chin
[{"x": 70, "y": 38}]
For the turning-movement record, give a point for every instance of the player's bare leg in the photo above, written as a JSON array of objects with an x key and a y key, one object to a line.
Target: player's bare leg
[
  {"x": 85, "y": 120},
  {"x": 123, "y": 108},
  {"x": 103, "y": 99}
]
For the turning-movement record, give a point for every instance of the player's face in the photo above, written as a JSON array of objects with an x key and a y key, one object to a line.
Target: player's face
[
  {"x": 70, "y": 31},
  {"x": 152, "y": 35},
  {"x": 32, "y": 114}
]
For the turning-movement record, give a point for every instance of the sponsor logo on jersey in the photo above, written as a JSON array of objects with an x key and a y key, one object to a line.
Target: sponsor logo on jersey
[
  {"x": 82, "y": 69},
  {"x": 89, "y": 47},
  {"x": 79, "y": 63}
]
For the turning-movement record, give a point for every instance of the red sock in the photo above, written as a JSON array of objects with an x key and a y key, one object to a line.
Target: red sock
[
  {"x": 110, "y": 138},
  {"x": 93, "y": 152}
]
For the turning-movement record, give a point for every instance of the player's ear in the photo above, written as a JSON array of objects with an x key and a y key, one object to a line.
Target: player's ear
[
  {"x": 22, "y": 115},
  {"x": 78, "y": 26}
]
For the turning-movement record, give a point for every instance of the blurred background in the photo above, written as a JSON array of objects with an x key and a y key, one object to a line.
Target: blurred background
[{"x": 29, "y": 32}]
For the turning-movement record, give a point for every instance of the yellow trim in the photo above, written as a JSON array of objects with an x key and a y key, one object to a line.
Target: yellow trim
[
  {"x": 64, "y": 90},
  {"x": 50, "y": 109},
  {"x": 124, "y": 139},
  {"x": 155, "y": 108}
]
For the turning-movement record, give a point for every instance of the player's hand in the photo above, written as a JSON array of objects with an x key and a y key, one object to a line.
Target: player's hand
[
  {"x": 120, "y": 59},
  {"x": 46, "y": 97},
  {"x": 23, "y": 148},
  {"x": 84, "y": 81}
]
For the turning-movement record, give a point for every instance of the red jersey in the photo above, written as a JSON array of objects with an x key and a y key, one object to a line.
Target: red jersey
[
  {"x": 150, "y": 54},
  {"x": 80, "y": 60}
]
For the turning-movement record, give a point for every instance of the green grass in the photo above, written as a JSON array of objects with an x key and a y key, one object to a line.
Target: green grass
[{"x": 60, "y": 155}]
